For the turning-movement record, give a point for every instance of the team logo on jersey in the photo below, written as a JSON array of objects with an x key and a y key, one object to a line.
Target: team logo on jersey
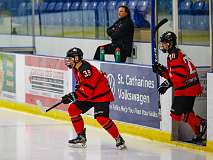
[{"x": 111, "y": 81}]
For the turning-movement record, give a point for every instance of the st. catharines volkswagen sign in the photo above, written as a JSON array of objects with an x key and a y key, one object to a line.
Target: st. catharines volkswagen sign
[{"x": 135, "y": 92}]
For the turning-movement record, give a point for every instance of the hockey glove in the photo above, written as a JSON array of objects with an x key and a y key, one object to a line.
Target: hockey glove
[
  {"x": 164, "y": 86},
  {"x": 77, "y": 86},
  {"x": 68, "y": 98},
  {"x": 158, "y": 68}
]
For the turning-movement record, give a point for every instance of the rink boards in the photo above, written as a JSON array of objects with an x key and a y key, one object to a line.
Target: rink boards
[{"x": 27, "y": 80}]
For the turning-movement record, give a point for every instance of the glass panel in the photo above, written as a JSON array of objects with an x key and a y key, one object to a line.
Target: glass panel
[
  {"x": 141, "y": 15},
  {"x": 164, "y": 8},
  {"x": 102, "y": 20},
  {"x": 20, "y": 19},
  {"x": 51, "y": 19},
  {"x": 194, "y": 22},
  {"x": 89, "y": 19},
  {"x": 5, "y": 18},
  {"x": 73, "y": 21}
]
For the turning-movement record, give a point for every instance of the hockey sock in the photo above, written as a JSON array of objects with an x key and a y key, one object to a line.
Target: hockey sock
[
  {"x": 108, "y": 125},
  {"x": 176, "y": 117},
  {"x": 193, "y": 120},
  {"x": 76, "y": 118},
  {"x": 78, "y": 124}
]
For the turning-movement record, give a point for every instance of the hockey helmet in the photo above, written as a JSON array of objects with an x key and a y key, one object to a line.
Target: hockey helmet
[
  {"x": 169, "y": 37},
  {"x": 75, "y": 52}
]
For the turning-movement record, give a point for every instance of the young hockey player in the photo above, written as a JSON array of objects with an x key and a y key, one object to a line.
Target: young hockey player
[
  {"x": 181, "y": 74},
  {"x": 92, "y": 90}
]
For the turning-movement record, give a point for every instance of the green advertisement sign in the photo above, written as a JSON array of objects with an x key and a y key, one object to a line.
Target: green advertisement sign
[{"x": 7, "y": 73}]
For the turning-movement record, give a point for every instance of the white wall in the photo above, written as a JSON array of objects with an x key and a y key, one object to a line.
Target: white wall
[
  {"x": 209, "y": 106},
  {"x": 54, "y": 46}
]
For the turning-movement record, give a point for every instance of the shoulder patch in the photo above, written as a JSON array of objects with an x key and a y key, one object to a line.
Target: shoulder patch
[{"x": 86, "y": 70}]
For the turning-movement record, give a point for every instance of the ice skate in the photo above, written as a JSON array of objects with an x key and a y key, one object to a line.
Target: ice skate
[
  {"x": 202, "y": 130},
  {"x": 79, "y": 141},
  {"x": 198, "y": 141},
  {"x": 120, "y": 143},
  {"x": 200, "y": 137}
]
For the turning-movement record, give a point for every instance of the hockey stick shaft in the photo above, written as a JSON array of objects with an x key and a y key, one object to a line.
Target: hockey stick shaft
[
  {"x": 155, "y": 54},
  {"x": 154, "y": 29},
  {"x": 55, "y": 105}
]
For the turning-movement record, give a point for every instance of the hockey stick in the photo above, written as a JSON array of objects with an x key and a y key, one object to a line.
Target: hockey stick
[
  {"x": 160, "y": 24},
  {"x": 43, "y": 108},
  {"x": 154, "y": 29}
]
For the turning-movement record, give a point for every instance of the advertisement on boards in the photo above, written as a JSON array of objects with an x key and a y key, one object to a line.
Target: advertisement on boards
[
  {"x": 47, "y": 80},
  {"x": 135, "y": 91},
  {"x": 7, "y": 76}
]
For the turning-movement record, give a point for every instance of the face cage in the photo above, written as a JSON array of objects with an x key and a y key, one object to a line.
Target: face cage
[{"x": 68, "y": 59}]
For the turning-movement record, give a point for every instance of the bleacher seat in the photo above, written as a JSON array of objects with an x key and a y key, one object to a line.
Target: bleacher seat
[
  {"x": 132, "y": 7},
  {"x": 58, "y": 7},
  {"x": 20, "y": 18},
  {"x": 112, "y": 12},
  {"x": 76, "y": 14},
  {"x": 51, "y": 7},
  {"x": 75, "y": 5},
  {"x": 204, "y": 19},
  {"x": 29, "y": 8},
  {"x": 93, "y": 5},
  {"x": 169, "y": 7},
  {"x": 92, "y": 13},
  {"x": 42, "y": 10},
  {"x": 84, "y": 5},
  {"x": 185, "y": 7},
  {"x": 42, "y": 7},
  {"x": 22, "y": 8},
  {"x": 102, "y": 13},
  {"x": 197, "y": 13},
  {"x": 86, "y": 15},
  {"x": 198, "y": 7},
  {"x": 67, "y": 14},
  {"x": 37, "y": 6},
  {"x": 2, "y": 7},
  {"x": 185, "y": 15},
  {"x": 66, "y": 6},
  {"x": 121, "y": 3},
  {"x": 140, "y": 14},
  {"x": 143, "y": 7},
  {"x": 57, "y": 14}
]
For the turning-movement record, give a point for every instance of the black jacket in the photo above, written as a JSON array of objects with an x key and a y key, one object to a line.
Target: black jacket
[{"x": 122, "y": 32}]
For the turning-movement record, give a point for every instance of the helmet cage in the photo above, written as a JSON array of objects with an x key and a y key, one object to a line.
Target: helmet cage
[{"x": 74, "y": 53}]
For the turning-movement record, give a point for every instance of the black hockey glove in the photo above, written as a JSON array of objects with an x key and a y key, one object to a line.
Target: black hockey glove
[
  {"x": 68, "y": 98},
  {"x": 77, "y": 86},
  {"x": 164, "y": 86},
  {"x": 159, "y": 68}
]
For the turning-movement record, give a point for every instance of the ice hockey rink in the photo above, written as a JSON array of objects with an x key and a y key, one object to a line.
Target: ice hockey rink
[{"x": 29, "y": 137}]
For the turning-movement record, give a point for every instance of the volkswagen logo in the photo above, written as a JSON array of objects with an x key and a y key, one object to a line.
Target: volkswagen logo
[{"x": 111, "y": 81}]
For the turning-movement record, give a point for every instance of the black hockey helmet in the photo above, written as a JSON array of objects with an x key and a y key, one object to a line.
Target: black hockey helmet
[
  {"x": 169, "y": 37},
  {"x": 75, "y": 52}
]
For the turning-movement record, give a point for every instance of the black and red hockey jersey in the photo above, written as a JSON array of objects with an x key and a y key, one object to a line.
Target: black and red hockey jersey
[
  {"x": 92, "y": 84},
  {"x": 183, "y": 74}
]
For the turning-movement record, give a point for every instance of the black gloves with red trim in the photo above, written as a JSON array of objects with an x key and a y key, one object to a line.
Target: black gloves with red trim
[
  {"x": 164, "y": 86},
  {"x": 68, "y": 98},
  {"x": 158, "y": 68}
]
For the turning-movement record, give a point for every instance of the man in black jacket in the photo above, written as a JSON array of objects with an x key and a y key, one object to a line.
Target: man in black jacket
[{"x": 121, "y": 34}]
